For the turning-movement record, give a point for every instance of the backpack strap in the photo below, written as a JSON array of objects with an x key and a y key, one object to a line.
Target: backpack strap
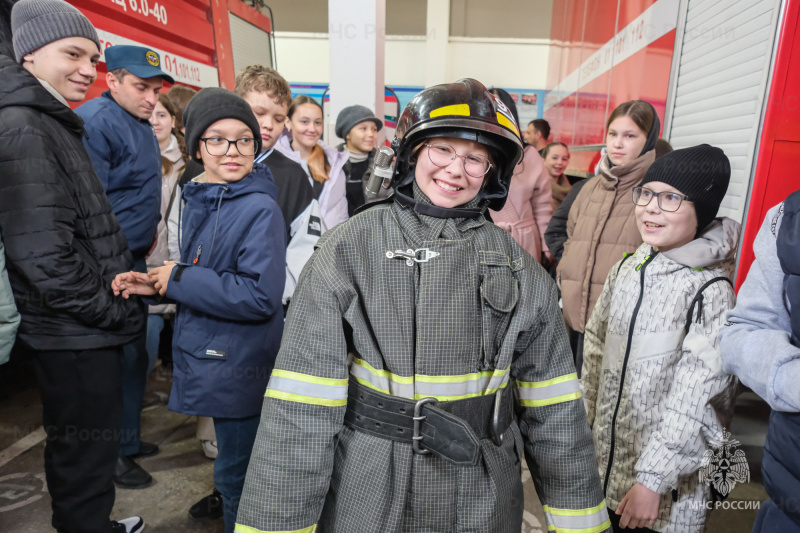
[{"x": 698, "y": 301}]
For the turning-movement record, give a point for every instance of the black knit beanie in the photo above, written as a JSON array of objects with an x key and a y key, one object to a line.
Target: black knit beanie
[
  {"x": 701, "y": 172},
  {"x": 213, "y": 104}
]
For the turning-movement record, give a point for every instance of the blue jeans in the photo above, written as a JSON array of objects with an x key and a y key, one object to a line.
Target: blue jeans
[
  {"x": 155, "y": 324},
  {"x": 235, "y": 439},
  {"x": 134, "y": 381}
]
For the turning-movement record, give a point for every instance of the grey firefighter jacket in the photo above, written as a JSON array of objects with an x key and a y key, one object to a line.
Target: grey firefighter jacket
[{"x": 481, "y": 315}]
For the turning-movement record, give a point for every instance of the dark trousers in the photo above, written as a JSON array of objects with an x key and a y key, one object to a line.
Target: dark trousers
[
  {"x": 235, "y": 439},
  {"x": 576, "y": 343},
  {"x": 614, "y": 517},
  {"x": 134, "y": 381},
  {"x": 81, "y": 412}
]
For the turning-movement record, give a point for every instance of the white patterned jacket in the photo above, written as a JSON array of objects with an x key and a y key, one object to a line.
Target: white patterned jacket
[{"x": 647, "y": 383}]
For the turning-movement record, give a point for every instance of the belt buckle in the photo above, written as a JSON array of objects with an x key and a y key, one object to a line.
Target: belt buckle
[{"x": 416, "y": 438}]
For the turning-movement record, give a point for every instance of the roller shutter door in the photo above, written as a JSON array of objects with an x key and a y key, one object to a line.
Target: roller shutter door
[
  {"x": 723, "y": 59},
  {"x": 251, "y": 45}
]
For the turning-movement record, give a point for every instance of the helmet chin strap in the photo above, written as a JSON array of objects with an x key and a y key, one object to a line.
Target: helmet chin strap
[{"x": 436, "y": 211}]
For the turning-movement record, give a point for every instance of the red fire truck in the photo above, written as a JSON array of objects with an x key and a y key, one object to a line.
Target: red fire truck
[
  {"x": 202, "y": 43},
  {"x": 725, "y": 73}
]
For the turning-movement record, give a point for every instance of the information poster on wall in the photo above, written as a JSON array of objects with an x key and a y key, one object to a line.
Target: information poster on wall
[{"x": 529, "y": 105}]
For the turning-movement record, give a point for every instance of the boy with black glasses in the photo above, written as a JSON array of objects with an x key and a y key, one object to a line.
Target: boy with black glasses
[
  {"x": 228, "y": 285},
  {"x": 653, "y": 378}
]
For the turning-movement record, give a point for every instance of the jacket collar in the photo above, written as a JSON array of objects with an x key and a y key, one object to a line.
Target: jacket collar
[
  {"x": 107, "y": 94},
  {"x": 258, "y": 181},
  {"x": 420, "y": 225}
]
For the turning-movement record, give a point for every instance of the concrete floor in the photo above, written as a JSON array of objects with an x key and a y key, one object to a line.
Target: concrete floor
[{"x": 183, "y": 475}]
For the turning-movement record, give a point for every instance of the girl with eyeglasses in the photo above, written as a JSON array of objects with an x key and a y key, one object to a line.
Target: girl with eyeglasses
[
  {"x": 656, "y": 394},
  {"x": 324, "y": 165},
  {"x": 529, "y": 207},
  {"x": 423, "y": 354}
]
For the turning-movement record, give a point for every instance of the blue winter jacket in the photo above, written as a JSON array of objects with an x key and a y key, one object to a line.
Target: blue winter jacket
[
  {"x": 228, "y": 288},
  {"x": 126, "y": 156}
]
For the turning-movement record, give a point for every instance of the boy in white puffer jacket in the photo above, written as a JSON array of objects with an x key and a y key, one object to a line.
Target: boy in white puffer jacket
[{"x": 647, "y": 379}]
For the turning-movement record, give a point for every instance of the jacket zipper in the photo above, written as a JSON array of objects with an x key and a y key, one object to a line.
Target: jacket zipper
[{"x": 641, "y": 268}]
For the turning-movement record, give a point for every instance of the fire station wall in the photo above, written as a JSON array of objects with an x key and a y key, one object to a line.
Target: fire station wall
[{"x": 508, "y": 47}]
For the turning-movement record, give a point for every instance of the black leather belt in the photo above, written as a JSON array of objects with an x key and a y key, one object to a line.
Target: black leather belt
[{"x": 452, "y": 430}]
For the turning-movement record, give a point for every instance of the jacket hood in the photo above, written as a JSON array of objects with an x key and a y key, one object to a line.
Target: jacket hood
[
  {"x": 20, "y": 88},
  {"x": 716, "y": 246},
  {"x": 258, "y": 181}
]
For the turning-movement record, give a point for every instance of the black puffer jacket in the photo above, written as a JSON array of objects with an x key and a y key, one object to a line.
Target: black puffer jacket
[{"x": 63, "y": 242}]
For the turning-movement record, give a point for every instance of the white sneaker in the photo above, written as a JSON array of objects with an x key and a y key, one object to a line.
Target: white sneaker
[
  {"x": 210, "y": 449},
  {"x": 134, "y": 524}
]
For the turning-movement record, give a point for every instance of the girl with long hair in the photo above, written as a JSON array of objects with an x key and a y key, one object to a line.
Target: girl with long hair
[
  {"x": 600, "y": 226},
  {"x": 323, "y": 165}
]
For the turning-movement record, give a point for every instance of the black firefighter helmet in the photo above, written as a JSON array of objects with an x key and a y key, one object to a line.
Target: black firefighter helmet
[{"x": 465, "y": 110}]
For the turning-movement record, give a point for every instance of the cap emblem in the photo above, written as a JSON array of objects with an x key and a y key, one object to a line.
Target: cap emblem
[{"x": 152, "y": 58}]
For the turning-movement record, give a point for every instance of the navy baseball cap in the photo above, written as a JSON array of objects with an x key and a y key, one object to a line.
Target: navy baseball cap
[{"x": 137, "y": 60}]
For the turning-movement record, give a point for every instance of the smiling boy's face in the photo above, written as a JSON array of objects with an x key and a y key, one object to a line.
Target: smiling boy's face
[{"x": 232, "y": 166}]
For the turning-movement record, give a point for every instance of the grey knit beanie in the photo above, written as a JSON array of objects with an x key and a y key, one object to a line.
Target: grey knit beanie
[
  {"x": 36, "y": 23},
  {"x": 351, "y": 116}
]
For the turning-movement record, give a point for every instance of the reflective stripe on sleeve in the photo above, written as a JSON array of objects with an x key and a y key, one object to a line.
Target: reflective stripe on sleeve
[
  {"x": 443, "y": 388},
  {"x": 552, "y": 391},
  {"x": 238, "y": 528},
  {"x": 304, "y": 388},
  {"x": 591, "y": 520}
]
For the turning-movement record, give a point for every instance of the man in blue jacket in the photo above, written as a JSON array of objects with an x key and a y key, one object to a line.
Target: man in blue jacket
[{"x": 126, "y": 156}]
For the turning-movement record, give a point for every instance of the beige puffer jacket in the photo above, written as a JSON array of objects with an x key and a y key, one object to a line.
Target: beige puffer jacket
[
  {"x": 600, "y": 229},
  {"x": 647, "y": 383}
]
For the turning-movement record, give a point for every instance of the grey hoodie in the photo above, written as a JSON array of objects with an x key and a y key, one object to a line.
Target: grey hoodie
[
  {"x": 755, "y": 340},
  {"x": 637, "y": 356}
]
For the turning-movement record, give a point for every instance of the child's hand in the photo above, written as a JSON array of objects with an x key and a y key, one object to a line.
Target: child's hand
[
  {"x": 639, "y": 507},
  {"x": 128, "y": 283},
  {"x": 160, "y": 276}
]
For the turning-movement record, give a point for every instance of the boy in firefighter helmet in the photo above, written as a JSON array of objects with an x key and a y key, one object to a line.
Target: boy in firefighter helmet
[{"x": 423, "y": 352}]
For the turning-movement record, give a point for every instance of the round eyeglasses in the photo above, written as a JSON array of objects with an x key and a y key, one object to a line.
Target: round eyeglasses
[
  {"x": 218, "y": 146},
  {"x": 442, "y": 154},
  {"x": 667, "y": 201}
]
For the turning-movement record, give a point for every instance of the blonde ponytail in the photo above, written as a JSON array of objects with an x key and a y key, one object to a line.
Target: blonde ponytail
[{"x": 318, "y": 165}]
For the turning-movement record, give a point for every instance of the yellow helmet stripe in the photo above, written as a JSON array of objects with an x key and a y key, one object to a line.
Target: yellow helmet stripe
[
  {"x": 502, "y": 119},
  {"x": 456, "y": 109}
]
